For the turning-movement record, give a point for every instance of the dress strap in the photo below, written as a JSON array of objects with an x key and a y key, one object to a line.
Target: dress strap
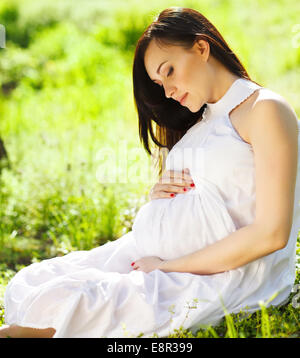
[{"x": 237, "y": 93}]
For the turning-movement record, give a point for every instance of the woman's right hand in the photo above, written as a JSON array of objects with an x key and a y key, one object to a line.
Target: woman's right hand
[{"x": 172, "y": 182}]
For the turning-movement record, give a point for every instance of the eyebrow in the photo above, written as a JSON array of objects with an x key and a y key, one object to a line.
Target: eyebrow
[
  {"x": 160, "y": 67},
  {"x": 157, "y": 71}
]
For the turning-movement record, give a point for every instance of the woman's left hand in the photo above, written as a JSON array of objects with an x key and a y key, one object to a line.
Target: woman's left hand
[{"x": 147, "y": 264}]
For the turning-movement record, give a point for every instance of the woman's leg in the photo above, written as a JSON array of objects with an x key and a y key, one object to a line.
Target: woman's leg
[{"x": 14, "y": 331}]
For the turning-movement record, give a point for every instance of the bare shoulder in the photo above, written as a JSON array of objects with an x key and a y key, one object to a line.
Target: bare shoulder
[
  {"x": 271, "y": 113},
  {"x": 274, "y": 137}
]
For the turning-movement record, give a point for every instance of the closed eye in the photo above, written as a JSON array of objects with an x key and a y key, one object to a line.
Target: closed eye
[{"x": 169, "y": 73}]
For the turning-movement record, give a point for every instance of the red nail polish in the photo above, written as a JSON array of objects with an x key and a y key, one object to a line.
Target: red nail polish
[
  {"x": 184, "y": 189},
  {"x": 192, "y": 184},
  {"x": 132, "y": 263},
  {"x": 172, "y": 194}
]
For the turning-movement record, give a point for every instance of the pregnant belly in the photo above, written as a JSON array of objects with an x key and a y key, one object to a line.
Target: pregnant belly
[{"x": 170, "y": 228}]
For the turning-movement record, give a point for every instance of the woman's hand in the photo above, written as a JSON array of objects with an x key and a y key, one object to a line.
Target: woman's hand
[
  {"x": 172, "y": 182},
  {"x": 147, "y": 264}
]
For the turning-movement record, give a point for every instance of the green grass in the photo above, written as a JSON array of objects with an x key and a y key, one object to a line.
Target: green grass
[{"x": 66, "y": 95}]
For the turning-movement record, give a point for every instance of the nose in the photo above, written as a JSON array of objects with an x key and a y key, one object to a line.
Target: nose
[{"x": 169, "y": 92}]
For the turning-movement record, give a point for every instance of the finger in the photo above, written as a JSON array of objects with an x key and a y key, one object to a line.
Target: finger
[
  {"x": 177, "y": 189},
  {"x": 176, "y": 177},
  {"x": 172, "y": 188},
  {"x": 171, "y": 192},
  {"x": 163, "y": 195},
  {"x": 187, "y": 175},
  {"x": 169, "y": 188},
  {"x": 170, "y": 176}
]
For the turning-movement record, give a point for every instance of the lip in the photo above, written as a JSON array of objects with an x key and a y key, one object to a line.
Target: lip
[{"x": 183, "y": 98}]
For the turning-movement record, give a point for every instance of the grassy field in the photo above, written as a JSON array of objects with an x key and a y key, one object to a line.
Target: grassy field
[{"x": 66, "y": 96}]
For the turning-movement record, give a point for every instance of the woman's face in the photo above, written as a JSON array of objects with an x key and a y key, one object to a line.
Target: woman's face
[{"x": 181, "y": 72}]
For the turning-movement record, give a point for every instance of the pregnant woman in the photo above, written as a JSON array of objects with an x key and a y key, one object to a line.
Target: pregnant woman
[{"x": 220, "y": 229}]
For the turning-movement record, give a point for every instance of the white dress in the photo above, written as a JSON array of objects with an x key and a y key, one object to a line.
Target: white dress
[{"x": 96, "y": 293}]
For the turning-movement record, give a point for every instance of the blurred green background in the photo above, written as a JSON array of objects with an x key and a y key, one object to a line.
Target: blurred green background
[{"x": 66, "y": 93}]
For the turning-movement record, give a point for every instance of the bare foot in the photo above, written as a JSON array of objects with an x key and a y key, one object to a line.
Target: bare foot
[
  {"x": 14, "y": 331},
  {"x": 4, "y": 331}
]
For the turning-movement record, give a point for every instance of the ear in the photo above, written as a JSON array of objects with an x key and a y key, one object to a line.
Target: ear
[{"x": 202, "y": 47}]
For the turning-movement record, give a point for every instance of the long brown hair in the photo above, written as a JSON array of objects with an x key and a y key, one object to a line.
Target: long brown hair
[{"x": 179, "y": 27}]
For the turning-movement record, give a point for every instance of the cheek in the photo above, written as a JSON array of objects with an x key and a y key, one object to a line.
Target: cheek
[
  {"x": 185, "y": 81},
  {"x": 190, "y": 77}
]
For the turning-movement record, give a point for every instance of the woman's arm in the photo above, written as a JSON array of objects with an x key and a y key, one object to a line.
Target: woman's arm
[{"x": 237, "y": 249}]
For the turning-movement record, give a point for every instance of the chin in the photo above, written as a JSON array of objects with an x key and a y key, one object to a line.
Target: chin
[
  {"x": 193, "y": 110},
  {"x": 197, "y": 109}
]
